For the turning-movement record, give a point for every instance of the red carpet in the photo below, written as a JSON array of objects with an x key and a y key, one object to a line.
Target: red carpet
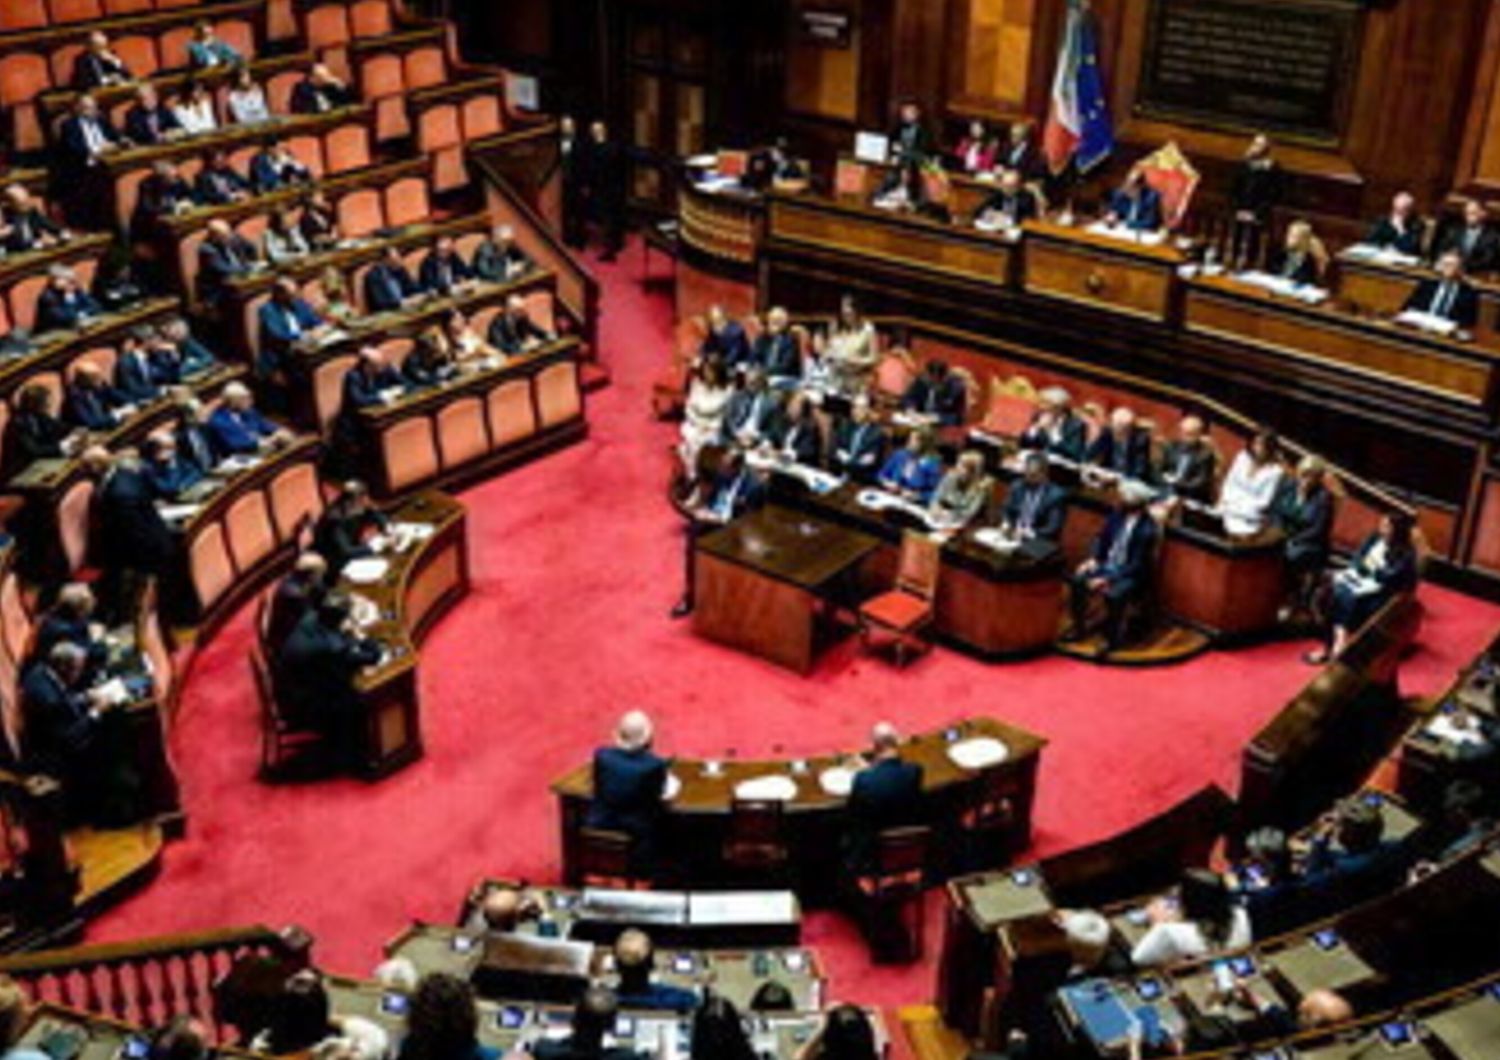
[{"x": 576, "y": 560}]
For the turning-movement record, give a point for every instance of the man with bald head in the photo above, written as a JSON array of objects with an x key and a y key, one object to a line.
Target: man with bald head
[
  {"x": 1215, "y": 1029},
  {"x": 635, "y": 960},
  {"x": 1188, "y": 462},
  {"x": 1123, "y": 447},
  {"x": 630, "y": 781},
  {"x": 1400, "y": 230},
  {"x": 297, "y": 594},
  {"x": 887, "y": 793},
  {"x": 501, "y": 907}
]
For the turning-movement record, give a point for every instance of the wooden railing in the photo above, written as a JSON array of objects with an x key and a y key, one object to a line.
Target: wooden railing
[{"x": 146, "y": 982}]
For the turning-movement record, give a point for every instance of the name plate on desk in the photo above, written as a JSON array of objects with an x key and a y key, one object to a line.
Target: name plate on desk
[{"x": 1240, "y": 64}]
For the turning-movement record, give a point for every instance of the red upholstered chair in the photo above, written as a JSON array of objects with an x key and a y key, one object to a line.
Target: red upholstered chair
[
  {"x": 295, "y": 500},
  {"x": 425, "y": 68},
  {"x": 239, "y": 35},
  {"x": 127, "y": 191},
  {"x": 101, "y": 357},
  {"x": 409, "y": 453},
  {"x": 24, "y": 76},
  {"x": 61, "y": 61},
  {"x": 168, "y": 5},
  {"x": 22, "y": 298},
  {"x": 251, "y": 320},
  {"x": 466, "y": 245},
  {"x": 173, "y": 45},
  {"x": 62, "y": 11},
  {"x": 73, "y": 523},
  {"x": 346, "y": 148},
  {"x": 209, "y": 565},
  {"x": 85, "y": 271},
  {"x": 440, "y": 138},
  {"x": 607, "y": 859},
  {"x": 327, "y": 26},
  {"x": 905, "y": 610},
  {"x": 281, "y": 20},
  {"x": 542, "y": 310},
  {"x": 139, "y": 53},
  {"x": 127, "y": 7},
  {"x": 4, "y": 318},
  {"x": 248, "y": 529},
  {"x": 360, "y": 212},
  {"x": 482, "y": 117},
  {"x": 894, "y": 374},
  {"x": 370, "y": 18},
  {"x": 383, "y": 79},
  {"x": 396, "y": 350},
  {"x": 511, "y": 413},
  {"x": 15, "y": 623},
  {"x": 1175, "y": 178},
  {"x": 22, "y": 14},
  {"x": 328, "y": 388},
  {"x": 460, "y": 432},
  {"x": 1009, "y": 413},
  {"x": 254, "y": 227},
  {"x": 309, "y": 151},
  {"x": 4, "y": 428},
  {"x": 412, "y": 259},
  {"x": 189, "y": 168},
  {"x": 406, "y": 202},
  {"x": 558, "y": 398},
  {"x": 279, "y": 89}
]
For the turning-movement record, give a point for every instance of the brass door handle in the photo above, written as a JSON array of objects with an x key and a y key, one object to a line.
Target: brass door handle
[{"x": 1094, "y": 282}]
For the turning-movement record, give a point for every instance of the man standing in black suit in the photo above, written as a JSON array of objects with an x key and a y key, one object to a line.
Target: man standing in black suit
[
  {"x": 1120, "y": 567},
  {"x": 298, "y": 593},
  {"x": 887, "y": 793},
  {"x": 136, "y": 544},
  {"x": 630, "y": 782},
  {"x": 314, "y": 673},
  {"x": 1473, "y": 239},
  {"x": 1449, "y": 296},
  {"x": 606, "y": 185},
  {"x": 574, "y": 168}
]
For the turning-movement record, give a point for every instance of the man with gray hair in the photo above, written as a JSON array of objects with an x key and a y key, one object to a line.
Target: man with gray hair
[
  {"x": 1119, "y": 568},
  {"x": 887, "y": 793},
  {"x": 630, "y": 782},
  {"x": 64, "y": 304},
  {"x": 1055, "y": 428},
  {"x": 64, "y": 727},
  {"x": 498, "y": 259}
]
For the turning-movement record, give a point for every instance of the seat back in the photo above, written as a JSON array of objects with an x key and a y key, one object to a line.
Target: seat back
[
  {"x": 63, "y": 11},
  {"x": 406, "y": 202},
  {"x": 604, "y": 857},
  {"x": 409, "y": 453},
  {"x": 327, "y": 26},
  {"x": 901, "y": 855},
  {"x": 247, "y": 525},
  {"x": 74, "y": 510},
  {"x": 756, "y": 823},
  {"x": 511, "y": 413},
  {"x": 346, "y": 148},
  {"x": 558, "y": 396},
  {"x": 279, "y": 89},
  {"x": 328, "y": 388},
  {"x": 22, "y": 14},
  {"x": 461, "y": 433},
  {"x": 482, "y": 117},
  {"x": 360, "y": 213},
  {"x": 370, "y": 18},
  {"x": 139, "y": 53},
  {"x": 295, "y": 500},
  {"x": 23, "y": 295},
  {"x": 921, "y": 559},
  {"x": 425, "y": 67},
  {"x": 209, "y": 565}
]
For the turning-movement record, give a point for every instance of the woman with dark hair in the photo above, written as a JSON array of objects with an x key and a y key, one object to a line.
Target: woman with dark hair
[
  {"x": 1204, "y": 918},
  {"x": 1250, "y": 488},
  {"x": 443, "y": 1024},
  {"x": 1386, "y": 564},
  {"x": 718, "y": 1032},
  {"x": 846, "y": 1035},
  {"x": 300, "y": 1021},
  {"x": 773, "y": 996}
]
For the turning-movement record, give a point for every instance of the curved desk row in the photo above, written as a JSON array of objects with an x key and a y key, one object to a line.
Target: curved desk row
[
  {"x": 23, "y": 276},
  {"x": 414, "y": 588},
  {"x": 696, "y": 821}
]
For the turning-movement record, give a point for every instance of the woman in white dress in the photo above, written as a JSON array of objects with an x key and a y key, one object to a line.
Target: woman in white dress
[
  {"x": 1249, "y": 490},
  {"x": 707, "y": 396},
  {"x": 247, "y": 100},
  {"x": 195, "y": 110},
  {"x": 851, "y": 353}
]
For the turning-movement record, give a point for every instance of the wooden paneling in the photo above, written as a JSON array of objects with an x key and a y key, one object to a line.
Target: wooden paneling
[
  {"x": 995, "y": 40},
  {"x": 1108, "y": 274},
  {"x": 1485, "y": 552},
  {"x": 824, "y": 82}
]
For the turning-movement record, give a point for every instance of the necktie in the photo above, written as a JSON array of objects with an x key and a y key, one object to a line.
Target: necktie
[
  {"x": 1120, "y": 545},
  {"x": 1029, "y": 505},
  {"x": 1443, "y": 303},
  {"x": 92, "y": 136}
]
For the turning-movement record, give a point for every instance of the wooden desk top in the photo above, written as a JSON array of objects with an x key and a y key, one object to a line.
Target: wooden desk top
[
  {"x": 704, "y": 793},
  {"x": 789, "y": 546},
  {"x": 1166, "y": 253}
]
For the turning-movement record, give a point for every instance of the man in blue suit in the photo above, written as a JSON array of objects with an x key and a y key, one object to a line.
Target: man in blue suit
[
  {"x": 71, "y": 620},
  {"x": 629, "y": 784},
  {"x": 149, "y": 120},
  {"x": 365, "y": 386},
  {"x": 389, "y": 283},
  {"x": 286, "y": 321},
  {"x": 237, "y": 426},
  {"x": 170, "y": 474},
  {"x": 1122, "y": 448},
  {"x": 90, "y": 402},
  {"x": 135, "y": 379},
  {"x": 219, "y": 183},
  {"x": 443, "y": 269},
  {"x": 858, "y": 443},
  {"x": 275, "y": 167},
  {"x": 726, "y": 339},
  {"x": 887, "y": 793},
  {"x": 1035, "y": 506},
  {"x": 63, "y": 304},
  {"x": 1136, "y": 205},
  {"x": 1120, "y": 567},
  {"x": 175, "y": 354},
  {"x": 1448, "y": 296},
  {"x": 223, "y": 256},
  {"x": 194, "y": 442}
]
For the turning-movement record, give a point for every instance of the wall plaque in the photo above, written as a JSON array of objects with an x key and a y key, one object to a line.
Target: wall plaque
[{"x": 1283, "y": 65}]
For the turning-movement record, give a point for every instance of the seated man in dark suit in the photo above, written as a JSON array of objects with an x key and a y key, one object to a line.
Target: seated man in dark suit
[
  {"x": 26, "y": 226},
  {"x": 170, "y": 474},
  {"x": 135, "y": 381},
  {"x": 1400, "y": 230},
  {"x": 275, "y": 167},
  {"x": 1035, "y": 507},
  {"x": 287, "y": 322},
  {"x": 726, "y": 338},
  {"x": 195, "y": 441},
  {"x": 298, "y": 593},
  {"x": 858, "y": 443},
  {"x": 161, "y": 195},
  {"x": 35, "y": 432},
  {"x": 219, "y": 183},
  {"x": 149, "y": 120},
  {"x": 1011, "y": 205},
  {"x": 1351, "y": 854},
  {"x": 388, "y": 283},
  {"x": 98, "y": 65},
  {"x": 1473, "y": 239},
  {"x": 1056, "y": 429},
  {"x": 223, "y": 255},
  {"x": 1303, "y": 511},
  {"x": 365, "y": 386},
  {"x": 1188, "y": 463},
  {"x": 750, "y": 412},
  {"x": 320, "y": 92},
  {"x": 444, "y": 269},
  {"x": 629, "y": 784},
  {"x": 65, "y": 728},
  {"x": 775, "y": 349},
  {"x": 314, "y": 671},
  {"x": 887, "y": 793},
  {"x": 1449, "y": 296},
  {"x": 63, "y": 304},
  {"x": 138, "y": 545},
  {"x": 634, "y": 963},
  {"x": 1120, "y": 567},
  {"x": 1135, "y": 205},
  {"x": 498, "y": 259},
  {"x": 938, "y": 393},
  {"x": 175, "y": 354},
  {"x": 1122, "y": 448},
  {"x": 71, "y": 620},
  {"x": 91, "y": 402},
  {"x": 343, "y": 530},
  {"x": 514, "y": 332},
  {"x": 594, "y": 1017},
  {"x": 238, "y": 428}
]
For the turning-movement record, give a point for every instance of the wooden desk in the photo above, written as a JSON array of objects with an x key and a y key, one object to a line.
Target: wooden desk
[
  {"x": 1381, "y": 288},
  {"x": 417, "y": 589},
  {"x": 1429, "y": 763},
  {"x": 694, "y": 824},
  {"x": 759, "y": 582},
  {"x": 1379, "y": 351},
  {"x": 1100, "y": 271},
  {"x": 996, "y": 605}
]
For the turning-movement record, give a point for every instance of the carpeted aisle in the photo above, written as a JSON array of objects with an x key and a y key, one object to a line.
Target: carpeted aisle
[{"x": 576, "y": 560}]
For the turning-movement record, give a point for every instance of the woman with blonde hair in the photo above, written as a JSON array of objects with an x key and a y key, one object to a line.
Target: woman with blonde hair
[{"x": 1302, "y": 259}]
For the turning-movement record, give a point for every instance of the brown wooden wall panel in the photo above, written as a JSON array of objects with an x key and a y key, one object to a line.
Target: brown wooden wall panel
[
  {"x": 979, "y": 259},
  {"x": 823, "y": 82},
  {"x": 1078, "y": 274},
  {"x": 994, "y": 39},
  {"x": 1485, "y": 552}
]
